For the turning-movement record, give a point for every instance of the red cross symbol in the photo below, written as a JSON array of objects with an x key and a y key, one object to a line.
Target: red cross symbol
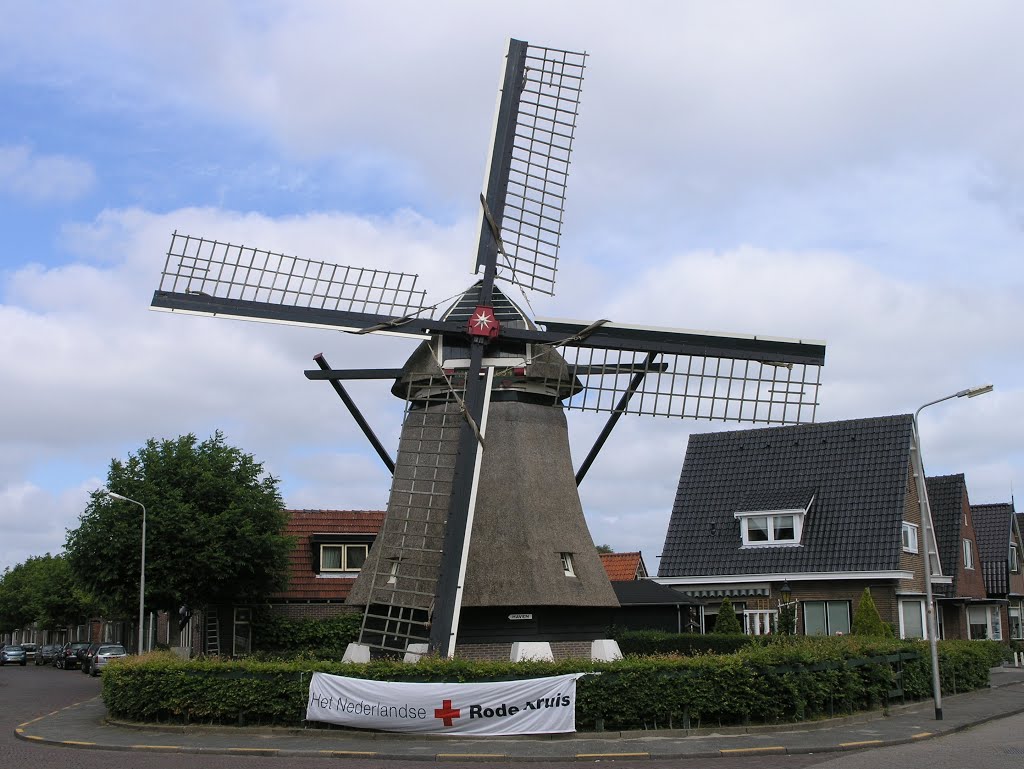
[{"x": 446, "y": 712}]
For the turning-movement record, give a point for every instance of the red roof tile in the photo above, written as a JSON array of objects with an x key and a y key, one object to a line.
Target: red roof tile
[
  {"x": 622, "y": 567},
  {"x": 304, "y": 584}
]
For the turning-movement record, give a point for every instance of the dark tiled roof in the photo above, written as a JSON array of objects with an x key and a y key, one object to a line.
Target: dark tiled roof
[
  {"x": 623, "y": 566},
  {"x": 992, "y": 527},
  {"x": 644, "y": 592},
  {"x": 857, "y": 469},
  {"x": 945, "y": 498},
  {"x": 303, "y": 582}
]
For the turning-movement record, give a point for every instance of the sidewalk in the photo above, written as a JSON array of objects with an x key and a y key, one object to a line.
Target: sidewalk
[{"x": 85, "y": 725}]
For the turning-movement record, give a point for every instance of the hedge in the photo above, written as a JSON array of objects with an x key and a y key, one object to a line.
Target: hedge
[
  {"x": 648, "y": 642},
  {"x": 789, "y": 680}
]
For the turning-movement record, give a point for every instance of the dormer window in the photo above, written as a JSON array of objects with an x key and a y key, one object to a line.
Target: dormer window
[
  {"x": 339, "y": 555},
  {"x": 773, "y": 528},
  {"x": 342, "y": 557}
]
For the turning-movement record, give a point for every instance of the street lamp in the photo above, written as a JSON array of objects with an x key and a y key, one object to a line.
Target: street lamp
[
  {"x": 142, "y": 578},
  {"x": 929, "y": 541}
]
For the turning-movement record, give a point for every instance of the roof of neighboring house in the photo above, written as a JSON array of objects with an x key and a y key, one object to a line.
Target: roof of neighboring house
[
  {"x": 645, "y": 592},
  {"x": 992, "y": 526},
  {"x": 624, "y": 566},
  {"x": 945, "y": 498},
  {"x": 857, "y": 471},
  {"x": 304, "y": 584}
]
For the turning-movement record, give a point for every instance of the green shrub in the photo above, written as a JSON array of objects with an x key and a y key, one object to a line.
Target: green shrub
[
  {"x": 279, "y": 637},
  {"x": 774, "y": 680},
  {"x": 648, "y": 642},
  {"x": 726, "y": 621},
  {"x": 866, "y": 620}
]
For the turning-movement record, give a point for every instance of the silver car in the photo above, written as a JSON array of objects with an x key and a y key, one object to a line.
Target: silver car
[
  {"x": 13, "y": 654},
  {"x": 103, "y": 656}
]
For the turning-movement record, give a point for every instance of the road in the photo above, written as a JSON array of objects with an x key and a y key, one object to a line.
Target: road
[{"x": 29, "y": 692}]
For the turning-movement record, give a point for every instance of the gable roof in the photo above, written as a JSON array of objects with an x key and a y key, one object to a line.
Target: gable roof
[
  {"x": 303, "y": 582},
  {"x": 945, "y": 498},
  {"x": 624, "y": 566},
  {"x": 992, "y": 526},
  {"x": 857, "y": 470}
]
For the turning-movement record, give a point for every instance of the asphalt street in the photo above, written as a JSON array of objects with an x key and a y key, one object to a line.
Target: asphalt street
[{"x": 56, "y": 718}]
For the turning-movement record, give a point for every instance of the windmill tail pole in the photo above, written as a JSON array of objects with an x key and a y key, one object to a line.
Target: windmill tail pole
[
  {"x": 357, "y": 415},
  {"x": 620, "y": 409}
]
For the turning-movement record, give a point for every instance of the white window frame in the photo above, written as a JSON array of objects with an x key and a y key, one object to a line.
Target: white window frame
[
  {"x": 345, "y": 567},
  {"x": 1015, "y": 611},
  {"x": 968, "y": 549},
  {"x": 567, "y": 565},
  {"x": 825, "y": 606},
  {"x": 924, "y": 616},
  {"x": 993, "y": 623},
  {"x": 771, "y": 516},
  {"x": 910, "y": 537},
  {"x": 1014, "y": 558}
]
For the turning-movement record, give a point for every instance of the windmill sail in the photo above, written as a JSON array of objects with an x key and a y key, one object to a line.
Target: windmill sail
[
  {"x": 209, "y": 277},
  {"x": 525, "y": 182},
  {"x": 520, "y": 564}
]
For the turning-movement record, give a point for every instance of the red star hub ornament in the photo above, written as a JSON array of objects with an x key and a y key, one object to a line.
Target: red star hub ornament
[{"x": 483, "y": 323}]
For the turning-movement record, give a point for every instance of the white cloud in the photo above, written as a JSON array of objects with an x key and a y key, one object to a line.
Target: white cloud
[
  {"x": 43, "y": 178},
  {"x": 848, "y": 172}
]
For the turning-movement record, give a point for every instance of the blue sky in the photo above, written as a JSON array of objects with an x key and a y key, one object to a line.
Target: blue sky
[{"x": 849, "y": 171}]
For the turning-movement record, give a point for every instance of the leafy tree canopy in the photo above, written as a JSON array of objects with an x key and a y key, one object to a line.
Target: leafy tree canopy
[
  {"x": 605, "y": 549},
  {"x": 42, "y": 590},
  {"x": 214, "y": 528}
]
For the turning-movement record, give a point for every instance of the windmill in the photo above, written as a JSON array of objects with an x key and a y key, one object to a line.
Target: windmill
[{"x": 484, "y": 536}]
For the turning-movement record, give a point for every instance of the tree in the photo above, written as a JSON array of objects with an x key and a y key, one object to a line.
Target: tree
[
  {"x": 605, "y": 549},
  {"x": 787, "y": 619},
  {"x": 214, "y": 528},
  {"x": 727, "y": 622},
  {"x": 42, "y": 590},
  {"x": 866, "y": 620}
]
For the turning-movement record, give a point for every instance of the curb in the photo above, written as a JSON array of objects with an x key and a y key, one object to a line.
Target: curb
[{"x": 20, "y": 733}]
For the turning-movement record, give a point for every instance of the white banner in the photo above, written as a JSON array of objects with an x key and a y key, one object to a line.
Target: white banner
[{"x": 532, "y": 706}]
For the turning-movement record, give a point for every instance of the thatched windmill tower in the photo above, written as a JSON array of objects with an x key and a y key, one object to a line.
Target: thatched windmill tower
[{"x": 485, "y": 539}]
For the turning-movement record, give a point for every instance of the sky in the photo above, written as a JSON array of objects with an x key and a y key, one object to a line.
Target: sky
[{"x": 846, "y": 171}]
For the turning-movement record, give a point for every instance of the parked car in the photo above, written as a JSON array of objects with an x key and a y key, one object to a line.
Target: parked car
[
  {"x": 103, "y": 655},
  {"x": 47, "y": 653},
  {"x": 85, "y": 656},
  {"x": 30, "y": 651},
  {"x": 13, "y": 654},
  {"x": 67, "y": 659}
]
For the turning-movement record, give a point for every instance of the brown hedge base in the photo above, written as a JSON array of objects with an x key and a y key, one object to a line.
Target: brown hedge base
[{"x": 779, "y": 681}]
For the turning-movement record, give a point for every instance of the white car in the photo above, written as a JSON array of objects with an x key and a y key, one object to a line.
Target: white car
[{"x": 103, "y": 655}]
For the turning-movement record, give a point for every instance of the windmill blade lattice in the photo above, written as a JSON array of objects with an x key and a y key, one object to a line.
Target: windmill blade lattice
[
  {"x": 529, "y": 165},
  {"x": 210, "y": 268},
  {"x": 695, "y": 387}
]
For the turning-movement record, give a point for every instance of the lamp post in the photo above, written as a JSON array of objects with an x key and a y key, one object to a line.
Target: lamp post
[
  {"x": 929, "y": 541},
  {"x": 142, "y": 577}
]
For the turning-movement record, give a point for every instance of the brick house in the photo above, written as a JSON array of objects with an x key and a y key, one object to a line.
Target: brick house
[
  {"x": 329, "y": 550},
  {"x": 817, "y": 511},
  {"x": 999, "y": 550},
  {"x": 959, "y": 548},
  {"x": 643, "y": 603}
]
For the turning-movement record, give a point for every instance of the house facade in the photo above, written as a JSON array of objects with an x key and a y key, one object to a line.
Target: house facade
[
  {"x": 809, "y": 516},
  {"x": 330, "y": 547},
  {"x": 999, "y": 552}
]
